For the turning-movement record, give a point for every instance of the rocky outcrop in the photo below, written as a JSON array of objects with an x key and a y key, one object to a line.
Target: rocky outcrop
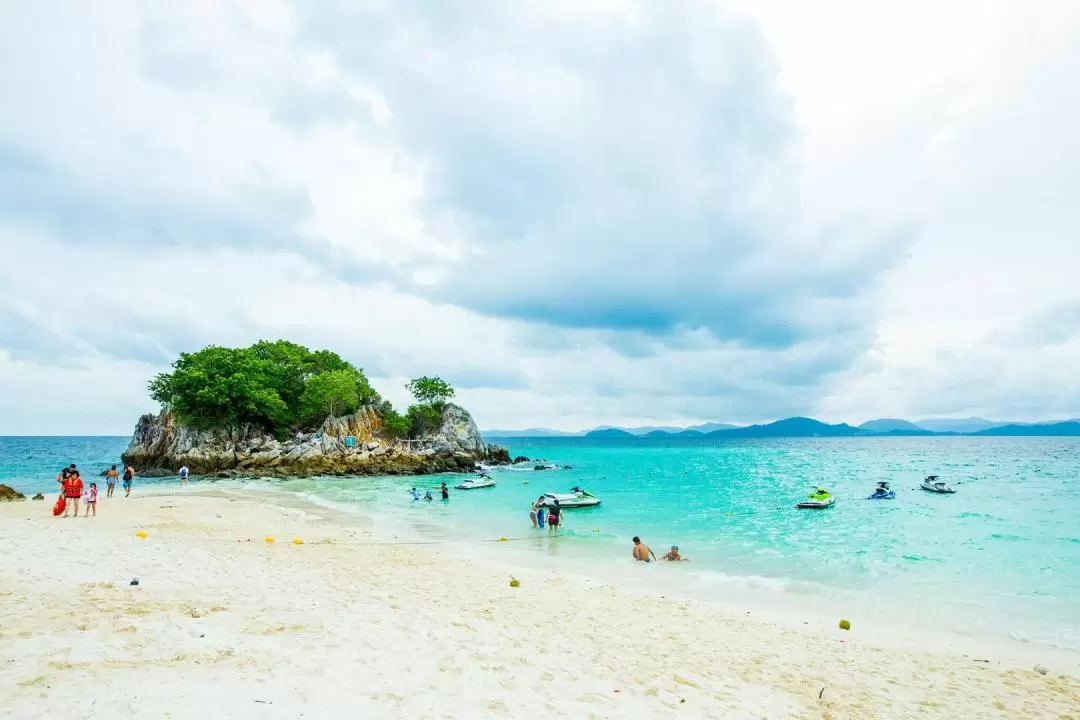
[
  {"x": 349, "y": 445},
  {"x": 10, "y": 494}
]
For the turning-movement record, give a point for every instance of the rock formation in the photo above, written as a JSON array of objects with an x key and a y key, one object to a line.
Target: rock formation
[
  {"x": 349, "y": 445},
  {"x": 8, "y": 494}
]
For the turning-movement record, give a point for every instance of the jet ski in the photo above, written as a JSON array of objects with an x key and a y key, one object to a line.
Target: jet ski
[
  {"x": 481, "y": 481},
  {"x": 818, "y": 500},
  {"x": 935, "y": 484},
  {"x": 576, "y": 498},
  {"x": 882, "y": 492}
]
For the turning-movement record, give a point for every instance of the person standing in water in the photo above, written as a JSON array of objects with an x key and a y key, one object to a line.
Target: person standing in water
[
  {"x": 445, "y": 491},
  {"x": 184, "y": 472},
  {"x": 110, "y": 482},
  {"x": 554, "y": 518},
  {"x": 536, "y": 512},
  {"x": 129, "y": 475}
]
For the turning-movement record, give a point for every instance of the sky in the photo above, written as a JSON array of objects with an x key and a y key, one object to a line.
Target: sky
[{"x": 578, "y": 212}]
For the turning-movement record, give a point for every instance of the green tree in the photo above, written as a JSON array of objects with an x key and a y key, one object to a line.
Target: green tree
[
  {"x": 433, "y": 391},
  {"x": 330, "y": 393},
  {"x": 278, "y": 386}
]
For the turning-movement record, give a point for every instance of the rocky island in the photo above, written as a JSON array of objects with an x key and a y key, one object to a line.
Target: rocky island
[{"x": 281, "y": 410}]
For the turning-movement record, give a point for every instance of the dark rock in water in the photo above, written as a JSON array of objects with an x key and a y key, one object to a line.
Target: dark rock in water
[
  {"x": 39, "y": 496},
  {"x": 10, "y": 494},
  {"x": 156, "y": 473},
  {"x": 520, "y": 459}
]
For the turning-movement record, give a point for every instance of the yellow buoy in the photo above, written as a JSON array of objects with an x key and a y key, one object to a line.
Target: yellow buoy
[
  {"x": 297, "y": 541},
  {"x": 503, "y": 539},
  {"x": 141, "y": 534},
  {"x": 269, "y": 539},
  {"x": 845, "y": 625},
  {"x": 514, "y": 582}
]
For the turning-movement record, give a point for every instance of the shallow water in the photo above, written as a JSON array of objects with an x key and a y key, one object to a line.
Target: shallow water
[{"x": 1000, "y": 556}]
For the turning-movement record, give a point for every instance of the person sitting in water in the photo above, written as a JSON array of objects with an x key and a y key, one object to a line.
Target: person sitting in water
[
  {"x": 428, "y": 496},
  {"x": 642, "y": 552},
  {"x": 674, "y": 556}
]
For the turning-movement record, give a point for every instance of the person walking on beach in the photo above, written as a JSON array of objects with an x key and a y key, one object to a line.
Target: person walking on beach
[
  {"x": 554, "y": 518},
  {"x": 129, "y": 475},
  {"x": 110, "y": 481},
  {"x": 184, "y": 472},
  {"x": 73, "y": 489},
  {"x": 642, "y": 552},
  {"x": 91, "y": 500}
]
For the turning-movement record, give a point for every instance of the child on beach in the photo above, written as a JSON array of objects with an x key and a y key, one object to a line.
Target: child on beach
[{"x": 91, "y": 500}]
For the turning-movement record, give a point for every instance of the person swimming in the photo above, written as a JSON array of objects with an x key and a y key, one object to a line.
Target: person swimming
[{"x": 674, "y": 556}]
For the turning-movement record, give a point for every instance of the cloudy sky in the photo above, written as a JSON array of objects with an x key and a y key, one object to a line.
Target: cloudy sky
[{"x": 577, "y": 211}]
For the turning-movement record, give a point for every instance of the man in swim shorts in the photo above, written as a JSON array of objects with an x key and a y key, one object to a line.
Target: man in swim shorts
[
  {"x": 642, "y": 552},
  {"x": 554, "y": 518},
  {"x": 129, "y": 475}
]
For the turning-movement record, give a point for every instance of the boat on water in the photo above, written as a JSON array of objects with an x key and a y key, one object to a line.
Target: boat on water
[
  {"x": 818, "y": 500},
  {"x": 882, "y": 492},
  {"x": 576, "y": 498},
  {"x": 935, "y": 484},
  {"x": 481, "y": 481}
]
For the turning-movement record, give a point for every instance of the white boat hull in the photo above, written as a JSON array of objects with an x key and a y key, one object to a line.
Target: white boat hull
[
  {"x": 475, "y": 484},
  {"x": 571, "y": 500}
]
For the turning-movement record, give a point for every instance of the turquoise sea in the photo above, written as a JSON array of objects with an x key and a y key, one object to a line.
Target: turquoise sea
[{"x": 1001, "y": 556}]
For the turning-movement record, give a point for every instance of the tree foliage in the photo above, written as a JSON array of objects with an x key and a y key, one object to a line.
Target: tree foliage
[
  {"x": 432, "y": 391},
  {"x": 278, "y": 386}
]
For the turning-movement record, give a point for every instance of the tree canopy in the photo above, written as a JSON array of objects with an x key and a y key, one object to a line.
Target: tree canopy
[
  {"x": 430, "y": 390},
  {"x": 275, "y": 385}
]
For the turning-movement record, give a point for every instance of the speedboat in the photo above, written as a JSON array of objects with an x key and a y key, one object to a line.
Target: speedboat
[
  {"x": 576, "y": 498},
  {"x": 818, "y": 500},
  {"x": 935, "y": 484},
  {"x": 882, "y": 492},
  {"x": 482, "y": 481}
]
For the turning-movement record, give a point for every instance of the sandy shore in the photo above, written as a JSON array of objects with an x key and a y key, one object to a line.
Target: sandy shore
[{"x": 223, "y": 624}]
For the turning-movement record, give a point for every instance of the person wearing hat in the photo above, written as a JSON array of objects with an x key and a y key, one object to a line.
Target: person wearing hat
[{"x": 674, "y": 556}]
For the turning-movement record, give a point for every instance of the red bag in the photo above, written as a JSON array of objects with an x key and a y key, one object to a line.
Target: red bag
[{"x": 61, "y": 503}]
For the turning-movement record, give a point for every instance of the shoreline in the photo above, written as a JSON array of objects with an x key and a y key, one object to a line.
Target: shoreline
[{"x": 351, "y": 620}]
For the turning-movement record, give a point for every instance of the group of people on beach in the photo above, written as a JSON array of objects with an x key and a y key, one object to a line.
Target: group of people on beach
[{"x": 73, "y": 489}]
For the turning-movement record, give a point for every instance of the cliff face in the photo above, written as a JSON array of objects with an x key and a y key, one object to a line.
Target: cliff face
[{"x": 159, "y": 442}]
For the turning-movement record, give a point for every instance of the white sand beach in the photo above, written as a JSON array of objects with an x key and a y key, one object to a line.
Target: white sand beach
[{"x": 223, "y": 624}]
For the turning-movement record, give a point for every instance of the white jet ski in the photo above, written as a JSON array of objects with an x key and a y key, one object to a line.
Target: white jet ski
[
  {"x": 482, "y": 481},
  {"x": 577, "y": 498},
  {"x": 935, "y": 484}
]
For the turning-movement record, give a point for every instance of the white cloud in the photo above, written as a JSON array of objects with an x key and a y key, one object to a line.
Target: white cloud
[{"x": 579, "y": 212}]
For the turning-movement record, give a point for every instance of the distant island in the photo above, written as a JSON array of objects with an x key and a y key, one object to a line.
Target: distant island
[
  {"x": 796, "y": 427},
  {"x": 280, "y": 409}
]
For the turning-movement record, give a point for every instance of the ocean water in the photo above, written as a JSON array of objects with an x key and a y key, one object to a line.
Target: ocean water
[{"x": 1001, "y": 556}]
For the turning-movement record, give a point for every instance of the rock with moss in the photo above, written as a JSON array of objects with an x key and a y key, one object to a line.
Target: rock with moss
[
  {"x": 354, "y": 444},
  {"x": 8, "y": 494}
]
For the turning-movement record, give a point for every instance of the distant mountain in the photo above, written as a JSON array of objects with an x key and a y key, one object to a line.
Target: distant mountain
[
  {"x": 958, "y": 425},
  {"x": 528, "y": 433},
  {"x": 709, "y": 427},
  {"x": 790, "y": 427},
  {"x": 1069, "y": 428},
  {"x": 609, "y": 434},
  {"x": 886, "y": 425}
]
